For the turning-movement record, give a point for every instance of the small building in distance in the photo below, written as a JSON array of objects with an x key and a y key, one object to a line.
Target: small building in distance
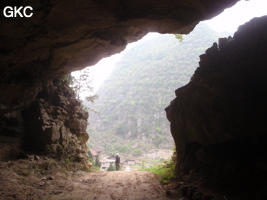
[
  {"x": 126, "y": 165},
  {"x": 105, "y": 164},
  {"x": 94, "y": 154},
  {"x": 129, "y": 162}
]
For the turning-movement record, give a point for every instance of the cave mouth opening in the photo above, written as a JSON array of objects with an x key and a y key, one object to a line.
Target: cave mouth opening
[
  {"x": 199, "y": 37},
  {"x": 147, "y": 64},
  {"x": 51, "y": 126},
  {"x": 10, "y": 121},
  {"x": 230, "y": 140},
  {"x": 37, "y": 146},
  {"x": 128, "y": 114},
  {"x": 230, "y": 14}
]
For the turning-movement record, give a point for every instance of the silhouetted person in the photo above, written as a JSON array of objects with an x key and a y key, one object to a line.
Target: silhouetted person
[{"x": 117, "y": 162}]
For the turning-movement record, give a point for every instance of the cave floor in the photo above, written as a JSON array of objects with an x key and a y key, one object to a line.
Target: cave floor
[{"x": 44, "y": 178}]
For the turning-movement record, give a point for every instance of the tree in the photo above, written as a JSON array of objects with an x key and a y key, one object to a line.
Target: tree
[
  {"x": 68, "y": 78},
  {"x": 137, "y": 152},
  {"x": 111, "y": 167},
  {"x": 81, "y": 83},
  {"x": 91, "y": 157},
  {"x": 133, "y": 98},
  {"x": 97, "y": 162},
  {"x": 143, "y": 164}
]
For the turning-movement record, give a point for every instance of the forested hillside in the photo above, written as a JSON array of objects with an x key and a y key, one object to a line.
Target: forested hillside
[{"x": 131, "y": 117}]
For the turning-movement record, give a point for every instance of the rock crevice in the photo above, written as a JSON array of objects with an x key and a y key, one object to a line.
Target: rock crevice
[{"x": 55, "y": 124}]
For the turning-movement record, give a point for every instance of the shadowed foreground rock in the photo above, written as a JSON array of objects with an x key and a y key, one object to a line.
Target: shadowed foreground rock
[
  {"x": 56, "y": 124},
  {"x": 64, "y": 36},
  {"x": 218, "y": 120}
]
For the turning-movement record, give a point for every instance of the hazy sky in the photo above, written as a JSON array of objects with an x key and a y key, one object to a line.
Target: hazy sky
[
  {"x": 229, "y": 20},
  {"x": 240, "y": 13}
]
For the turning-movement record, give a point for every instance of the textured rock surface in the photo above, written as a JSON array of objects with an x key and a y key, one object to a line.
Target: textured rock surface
[
  {"x": 55, "y": 124},
  {"x": 218, "y": 120},
  {"x": 64, "y": 36}
]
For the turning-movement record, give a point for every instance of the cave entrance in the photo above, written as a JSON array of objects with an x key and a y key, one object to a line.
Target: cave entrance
[
  {"x": 153, "y": 60},
  {"x": 139, "y": 84}
]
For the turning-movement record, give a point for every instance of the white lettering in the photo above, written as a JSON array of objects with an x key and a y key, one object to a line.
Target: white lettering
[
  {"x": 17, "y": 11},
  {"x": 8, "y": 13},
  {"x": 24, "y": 11},
  {"x": 20, "y": 11}
]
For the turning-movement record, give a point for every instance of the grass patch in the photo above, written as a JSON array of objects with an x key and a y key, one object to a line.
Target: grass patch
[{"x": 165, "y": 171}]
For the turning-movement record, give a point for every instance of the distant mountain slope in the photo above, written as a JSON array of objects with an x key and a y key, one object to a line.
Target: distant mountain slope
[{"x": 132, "y": 100}]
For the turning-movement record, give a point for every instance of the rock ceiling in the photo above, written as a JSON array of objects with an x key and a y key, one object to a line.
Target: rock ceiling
[
  {"x": 218, "y": 120},
  {"x": 64, "y": 36}
]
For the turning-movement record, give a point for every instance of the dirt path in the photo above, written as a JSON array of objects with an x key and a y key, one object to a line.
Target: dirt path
[
  {"x": 46, "y": 180},
  {"x": 119, "y": 185}
]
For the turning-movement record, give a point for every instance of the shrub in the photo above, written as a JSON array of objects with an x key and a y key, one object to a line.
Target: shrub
[
  {"x": 165, "y": 172},
  {"x": 137, "y": 152},
  {"x": 111, "y": 168}
]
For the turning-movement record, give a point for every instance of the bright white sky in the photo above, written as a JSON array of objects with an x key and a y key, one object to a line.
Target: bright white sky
[
  {"x": 240, "y": 13},
  {"x": 229, "y": 20}
]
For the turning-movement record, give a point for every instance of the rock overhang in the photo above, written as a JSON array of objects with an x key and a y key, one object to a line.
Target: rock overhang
[{"x": 65, "y": 36}]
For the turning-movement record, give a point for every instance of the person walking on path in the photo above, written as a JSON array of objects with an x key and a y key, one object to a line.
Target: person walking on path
[{"x": 117, "y": 162}]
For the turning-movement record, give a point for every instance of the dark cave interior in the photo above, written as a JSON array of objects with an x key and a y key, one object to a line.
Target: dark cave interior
[{"x": 218, "y": 120}]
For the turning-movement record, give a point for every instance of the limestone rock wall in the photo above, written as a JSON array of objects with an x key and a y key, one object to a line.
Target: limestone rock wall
[
  {"x": 55, "y": 124},
  {"x": 218, "y": 120},
  {"x": 64, "y": 36}
]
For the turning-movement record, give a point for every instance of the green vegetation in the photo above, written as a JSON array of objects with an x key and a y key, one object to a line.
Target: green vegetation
[
  {"x": 96, "y": 167},
  {"x": 179, "y": 37},
  {"x": 111, "y": 168},
  {"x": 132, "y": 100},
  {"x": 81, "y": 84},
  {"x": 137, "y": 152},
  {"x": 91, "y": 158},
  {"x": 97, "y": 162},
  {"x": 165, "y": 172}
]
